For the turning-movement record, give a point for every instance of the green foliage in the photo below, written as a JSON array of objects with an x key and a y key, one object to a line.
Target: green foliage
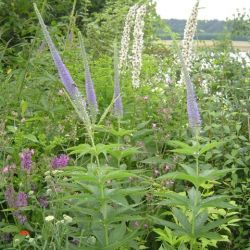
[{"x": 142, "y": 182}]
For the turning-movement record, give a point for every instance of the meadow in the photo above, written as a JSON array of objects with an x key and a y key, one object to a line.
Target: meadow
[{"x": 111, "y": 140}]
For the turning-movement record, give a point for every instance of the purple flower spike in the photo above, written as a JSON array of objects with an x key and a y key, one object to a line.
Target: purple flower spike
[
  {"x": 21, "y": 200},
  {"x": 62, "y": 70},
  {"x": 10, "y": 196},
  {"x": 60, "y": 161},
  {"x": 26, "y": 160},
  {"x": 89, "y": 85},
  {"x": 64, "y": 74},
  {"x": 118, "y": 110},
  {"x": 90, "y": 92},
  {"x": 192, "y": 105}
]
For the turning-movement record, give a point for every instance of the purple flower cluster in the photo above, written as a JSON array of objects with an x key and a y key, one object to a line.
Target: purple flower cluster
[
  {"x": 26, "y": 160},
  {"x": 16, "y": 201},
  {"x": 21, "y": 200},
  {"x": 43, "y": 201},
  {"x": 60, "y": 161},
  {"x": 10, "y": 196},
  {"x": 20, "y": 217}
]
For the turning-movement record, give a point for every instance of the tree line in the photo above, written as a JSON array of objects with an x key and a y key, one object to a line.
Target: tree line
[{"x": 207, "y": 29}]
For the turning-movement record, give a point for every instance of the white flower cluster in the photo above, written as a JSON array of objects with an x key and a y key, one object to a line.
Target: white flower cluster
[
  {"x": 134, "y": 18},
  {"x": 129, "y": 21},
  {"x": 189, "y": 32},
  {"x": 138, "y": 46}
]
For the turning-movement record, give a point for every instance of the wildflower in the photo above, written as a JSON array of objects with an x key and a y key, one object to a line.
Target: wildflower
[
  {"x": 16, "y": 241},
  {"x": 189, "y": 32},
  {"x": 31, "y": 240},
  {"x": 57, "y": 189},
  {"x": 6, "y": 237},
  {"x": 136, "y": 224},
  {"x": 129, "y": 21},
  {"x": 49, "y": 191},
  {"x": 156, "y": 173},
  {"x": 169, "y": 183},
  {"x": 166, "y": 168},
  {"x": 47, "y": 173},
  {"x": 118, "y": 111},
  {"x": 8, "y": 169},
  {"x": 60, "y": 92},
  {"x": 21, "y": 200},
  {"x": 24, "y": 233},
  {"x": 192, "y": 105},
  {"x": 31, "y": 192},
  {"x": 60, "y": 161},
  {"x": 54, "y": 172},
  {"x": 154, "y": 125},
  {"x": 47, "y": 178},
  {"x": 67, "y": 218},
  {"x": 43, "y": 201},
  {"x": 138, "y": 45},
  {"x": 20, "y": 217},
  {"x": 145, "y": 98},
  {"x": 10, "y": 196},
  {"x": 49, "y": 218},
  {"x": 90, "y": 91},
  {"x": 26, "y": 159},
  {"x": 65, "y": 76}
]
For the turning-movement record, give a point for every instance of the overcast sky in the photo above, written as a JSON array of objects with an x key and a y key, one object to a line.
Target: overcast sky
[{"x": 210, "y": 9}]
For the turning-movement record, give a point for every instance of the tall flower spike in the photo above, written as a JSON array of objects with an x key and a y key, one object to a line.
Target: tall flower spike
[
  {"x": 64, "y": 74},
  {"x": 118, "y": 111},
  {"x": 189, "y": 32},
  {"x": 192, "y": 105},
  {"x": 129, "y": 22},
  {"x": 138, "y": 46},
  {"x": 90, "y": 91}
]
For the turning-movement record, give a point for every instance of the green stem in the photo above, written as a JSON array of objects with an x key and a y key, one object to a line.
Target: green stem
[
  {"x": 197, "y": 166},
  {"x": 104, "y": 215},
  {"x": 93, "y": 145},
  {"x": 119, "y": 140}
]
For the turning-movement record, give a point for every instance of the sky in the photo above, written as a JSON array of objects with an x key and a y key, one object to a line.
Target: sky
[{"x": 210, "y": 9}]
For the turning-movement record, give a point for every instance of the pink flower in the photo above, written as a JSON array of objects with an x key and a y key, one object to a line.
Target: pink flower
[
  {"x": 7, "y": 169},
  {"x": 60, "y": 161}
]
